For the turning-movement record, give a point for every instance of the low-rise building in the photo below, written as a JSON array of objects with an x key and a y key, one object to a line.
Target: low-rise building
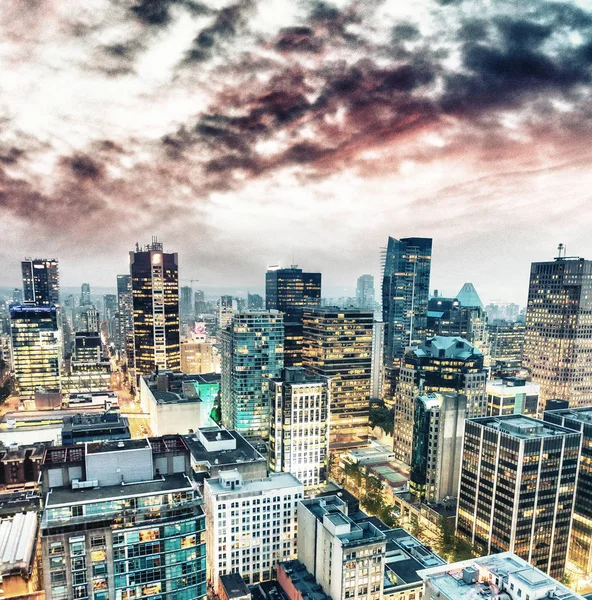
[
  {"x": 512, "y": 395},
  {"x": 93, "y": 427},
  {"x": 233, "y": 587}
]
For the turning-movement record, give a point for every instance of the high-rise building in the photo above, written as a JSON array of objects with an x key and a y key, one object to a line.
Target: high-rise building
[
  {"x": 199, "y": 302},
  {"x": 89, "y": 319},
  {"x": 437, "y": 446},
  {"x": 36, "y": 348},
  {"x": 186, "y": 302},
  {"x": 17, "y": 296},
  {"x": 197, "y": 357},
  {"x": 255, "y": 302},
  {"x": 125, "y": 311},
  {"x": 155, "y": 288},
  {"x": 517, "y": 488},
  {"x": 506, "y": 342},
  {"x": 345, "y": 556},
  {"x": 440, "y": 364},
  {"x": 468, "y": 296},
  {"x": 377, "y": 359},
  {"x": 41, "y": 283},
  {"x": 502, "y": 575},
  {"x": 512, "y": 396},
  {"x": 405, "y": 294},
  {"x": 290, "y": 290},
  {"x": 365, "y": 291},
  {"x": 122, "y": 520},
  {"x": 224, "y": 312},
  {"x": 251, "y": 525},
  {"x": 299, "y": 426},
  {"x": 252, "y": 354},
  {"x": 338, "y": 344},
  {"x": 580, "y": 542},
  {"x": 85, "y": 295},
  {"x": 558, "y": 340}
]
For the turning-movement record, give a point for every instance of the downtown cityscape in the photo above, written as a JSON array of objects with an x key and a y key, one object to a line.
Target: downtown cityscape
[{"x": 295, "y": 300}]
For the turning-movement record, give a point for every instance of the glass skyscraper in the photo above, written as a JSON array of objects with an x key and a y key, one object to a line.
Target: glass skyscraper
[
  {"x": 36, "y": 348},
  {"x": 252, "y": 354},
  {"x": 41, "y": 284},
  {"x": 155, "y": 289},
  {"x": 405, "y": 294}
]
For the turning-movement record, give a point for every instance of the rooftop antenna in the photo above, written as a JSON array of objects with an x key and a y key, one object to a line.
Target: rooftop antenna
[{"x": 561, "y": 249}]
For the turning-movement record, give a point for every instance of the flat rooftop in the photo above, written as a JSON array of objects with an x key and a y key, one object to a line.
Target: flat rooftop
[
  {"x": 303, "y": 581},
  {"x": 523, "y": 427},
  {"x": 17, "y": 543},
  {"x": 243, "y": 452},
  {"x": 65, "y": 496},
  {"x": 234, "y": 585},
  {"x": 275, "y": 481},
  {"x": 584, "y": 414},
  {"x": 118, "y": 446},
  {"x": 173, "y": 398},
  {"x": 94, "y": 421}
]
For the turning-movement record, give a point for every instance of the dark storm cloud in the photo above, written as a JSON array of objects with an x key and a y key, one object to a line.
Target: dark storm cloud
[
  {"x": 84, "y": 167},
  {"x": 11, "y": 156}
]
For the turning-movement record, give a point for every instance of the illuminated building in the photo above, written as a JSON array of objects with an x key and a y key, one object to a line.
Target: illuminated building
[
  {"x": 438, "y": 365},
  {"x": 377, "y": 359},
  {"x": 437, "y": 446},
  {"x": 41, "y": 283},
  {"x": 36, "y": 348},
  {"x": 110, "y": 316},
  {"x": 252, "y": 354},
  {"x": 85, "y": 295},
  {"x": 155, "y": 288},
  {"x": 365, "y": 291},
  {"x": 89, "y": 320},
  {"x": 197, "y": 357},
  {"x": 121, "y": 520},
  {"x": 517, "y": 488},
  {"x": 338, "y": 344},
  {"x": 512, "y": 395},
  {"x": 290, "y": 291},
  {"x": 580, "y": 543},
  {"x": 299, "y": 426},
  {"x": 224, "y": 312},
  {"x": 125, "y": 311},
  {"x": 558, "y": 339},
  {"x": 88, "y": 347},
  {"x": 506, "y": 342},
  {"x": 405, "y": 294}
]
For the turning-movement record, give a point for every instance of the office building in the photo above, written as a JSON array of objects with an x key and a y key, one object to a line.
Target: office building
[
  {"x": 85, "y": 295},
  {"x": 377, "y": 359},
  {"x": 88, "y": 346},
  {"x": 440, "y": 364},
  {"x": 224, "y": 312},
  {"x": 338, "y": 345},
  {"x": 186, "y": 302},
  {"x": 122, "y": 520},
  {"x": 89, "y": 319},
  {"x": 346, "y": 556},
  {"x": 197, "y": 357},
  {"x": 365, "y": 291},
  {"x": 468, "y": 296},
  {"x": 517, "y": 488},
  {"x": 41, "y": 282},
  {"x": 290, "y": 290},
  {"x": 214, "y": 450},
  {"x": 95, "y": 427},
  {"x": 199, "y": 303},
  {"x": 125, "y": 311},
  {"x": 299, "y": 426},
  {"x": 405, "y": 294},
  {"x": 558, "y": 339},
  {"x": 503, "y": 575},
  {"x": 17, "y": 296},
  {"x": 251, "y": 525},
  {"x": 252, "y": 354},
  {"x": 155, "y": 288},
  {"x": 580, "y": 543},
  {"x": 506, "y": 343},
  {"x": 437, "y": 446},
  {"x": 36, "y": 348},
  {"x": 512, "y": 396},
  {"x": 255, "y": 302}
]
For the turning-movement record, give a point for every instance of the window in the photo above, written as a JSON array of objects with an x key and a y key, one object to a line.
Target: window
[{"x": 97, "y": 541}]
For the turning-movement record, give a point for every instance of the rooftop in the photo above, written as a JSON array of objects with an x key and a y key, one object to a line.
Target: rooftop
[
  {"x": 234, "y": 585},
  {"x": 65, "y": 496},
  {"x": 441, "y": 346},
  {"x": 90, "y": 421},
  {"x": 100, "y": 447},
  {"x": 274, "y": 482},
  {"x": 469, "y": 580},
  {"x": 468, "y": 296},
  {"x": 303, "y": 581},
  {"x": 523, "y": 427},
  {"x": 17, "y": 543},
  {"x": 172, "y": 398},
  {"x": 583, "y": 415}
]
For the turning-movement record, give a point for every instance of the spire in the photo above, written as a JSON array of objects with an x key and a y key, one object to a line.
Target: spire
[{"x": 468, "y": 296}]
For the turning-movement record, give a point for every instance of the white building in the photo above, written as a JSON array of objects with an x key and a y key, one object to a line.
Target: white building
[
  {"x": 503, "y": 576},
  {"x": 299, "y": 426},
  {"x": 251, "y": 526},
  {"x": 512, "y": 395},
  {"x": 347, "y": 557}
]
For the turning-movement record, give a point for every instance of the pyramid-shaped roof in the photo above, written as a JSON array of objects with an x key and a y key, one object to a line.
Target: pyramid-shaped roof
[{"x": 468, "y": 296}]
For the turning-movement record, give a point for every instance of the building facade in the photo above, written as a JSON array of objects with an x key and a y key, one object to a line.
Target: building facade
[
  {"x": 290, "y": 290},
  {"x": 506, "y": 342},
  {"x": 251, "y": 525},
  {"x": 41, "y": 282},
  {"x": 36, "y": 348},
  {"x": 338, "y": 345},
  {"x": 155, "y": 289},
  {"x": 365, "y": 291},
  {"x": 252, "y": 354},
  {"x": 517, "y": 488},
  {"x": 125, "y": 316},
  {"x": 299, "y": 426},
  {"x": 440, "y": 364},
  {"x": 558, "y": 338},
  {"x": 512, "y": 396}
]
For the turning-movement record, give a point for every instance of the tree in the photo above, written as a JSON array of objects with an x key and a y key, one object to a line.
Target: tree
[
  {"x": 373, "y": 499},
  {"x": 384, "y": 418},
  {"x": 414, "y": 526},
  {"x": 462, "y": 550}
]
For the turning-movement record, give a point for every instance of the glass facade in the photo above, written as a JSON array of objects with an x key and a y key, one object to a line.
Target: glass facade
[{"x": 41, "y": 281}]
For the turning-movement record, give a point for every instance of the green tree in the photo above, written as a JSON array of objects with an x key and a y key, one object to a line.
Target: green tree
[
  {"x": 462, "y": 550},
  {"x": 384, "y": 418},
  {"x": 414, "y": 526},
  {"x": 373, "y": 499}
]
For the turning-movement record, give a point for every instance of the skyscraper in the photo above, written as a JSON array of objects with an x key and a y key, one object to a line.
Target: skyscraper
[
  {"x": 365, "y": 291},
  {"x": 125, "y": 312},
  {"x": 558, "y": 339},
  {"x": 224, "y": 312},
  {"x": 405, "y": 294},
  {"x": 440, "y": 364},
  {"x": 41, "y": 284},
  {"x": 155, "y": 288},
  {"x": 580, "y": 542},
  {"x": 299, "y": 426},
  {"x": 252, "y": 354},
  {"x": 186, "y": 302},
  {"x": 517, "y": 488},
  {"x": 36, "y": 348},
  {"x": 338, "y": 344},
  {"x": 85, "y": 295},
  {"x": 255, "y": 302}
]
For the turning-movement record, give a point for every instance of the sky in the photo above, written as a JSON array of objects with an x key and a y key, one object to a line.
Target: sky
[{"x": 245, "y": 133}]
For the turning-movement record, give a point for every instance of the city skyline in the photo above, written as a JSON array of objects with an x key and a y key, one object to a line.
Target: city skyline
[{"x": 309, "y": 128}]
